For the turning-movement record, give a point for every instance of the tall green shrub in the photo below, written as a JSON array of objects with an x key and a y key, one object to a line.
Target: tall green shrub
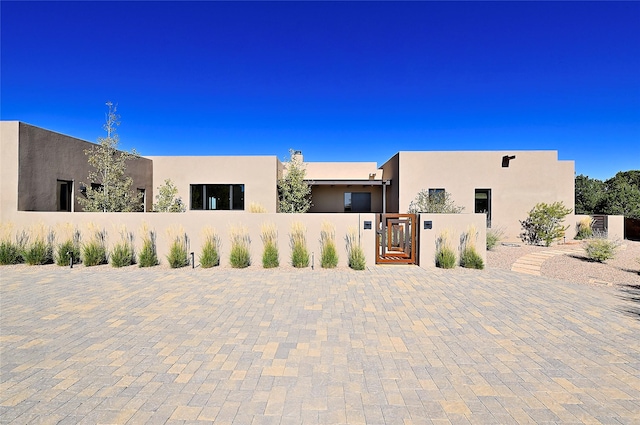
[
  {"x": 544, "y": 223},
  {"x": 329, "y": 253},
  {"x": 69, "y": 249},
  {"x": 494, "y": 235},
  {"x": 445, "y": 255},
  {"x": 148, "y": 255},
  {"x": 123, "y": 253},
  {"x": 94, "y": 252},
  {"x": 39, "y": 249},
  {"x": 179, "y": 252},
  {"x": 210, "y": 256},
  {"x": 11, "y": 252},
  {"x": 355, "y": 254},
  {"x": 469, "y": 257},
  {"x": 585, "y": 228},
  {"x": 298, "y": 241},
  {"x": 240, "y": 256},
  {"x": 270, "y": 256}
]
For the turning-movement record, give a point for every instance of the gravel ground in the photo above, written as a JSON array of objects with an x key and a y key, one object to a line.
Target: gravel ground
[{"x": 624, "y": 269}]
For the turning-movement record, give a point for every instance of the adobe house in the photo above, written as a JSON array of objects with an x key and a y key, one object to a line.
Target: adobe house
[{"x": 42, "y": 170}]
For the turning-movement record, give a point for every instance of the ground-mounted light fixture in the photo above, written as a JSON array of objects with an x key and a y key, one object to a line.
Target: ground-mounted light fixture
[{"x": 506, "y": 159}]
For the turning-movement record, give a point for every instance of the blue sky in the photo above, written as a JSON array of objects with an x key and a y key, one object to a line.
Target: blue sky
[{"x": 341, "y": 81}]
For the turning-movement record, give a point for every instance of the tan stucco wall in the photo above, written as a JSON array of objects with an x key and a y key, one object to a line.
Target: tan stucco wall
[
  {"x": 456, "y": 225},
  {"x": 195, "y": 222},
  {"x": 43, "y": 157},
  {"x": 532, "y": 177},
  {"x": 259, "y": 174},
  {"x": 341, "y": 170},
  {"x": 392, "y": 173},
  {"x": 327, "y": 199},
  {"x": 8, "y": 168}
]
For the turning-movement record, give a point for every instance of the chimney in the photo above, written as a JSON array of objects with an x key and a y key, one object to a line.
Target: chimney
[{"x": 297, "y": 155}]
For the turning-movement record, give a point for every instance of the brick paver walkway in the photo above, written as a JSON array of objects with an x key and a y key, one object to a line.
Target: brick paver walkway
[
  {"x": 532, "y": 263},
  {"x": 394, "y": 345}
]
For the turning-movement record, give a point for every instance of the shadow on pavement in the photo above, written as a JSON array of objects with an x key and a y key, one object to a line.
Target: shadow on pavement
[{"x": 631, "y": 294}]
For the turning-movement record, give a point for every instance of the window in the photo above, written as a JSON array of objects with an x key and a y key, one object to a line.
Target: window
[
  {"x": 217, "y": 197},
  {"x": 357, "y": 202},
  {"x": 483, "y": 203},
  {"x": 436, "y": 193},
  {"x": 65, "y": 195},
  {"x": 142, "y": 193}
]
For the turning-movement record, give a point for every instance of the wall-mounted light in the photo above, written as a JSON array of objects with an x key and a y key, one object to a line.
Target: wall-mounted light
[
  {"x": 372, "y": 176},
  {"x": 506, "y": 159}
]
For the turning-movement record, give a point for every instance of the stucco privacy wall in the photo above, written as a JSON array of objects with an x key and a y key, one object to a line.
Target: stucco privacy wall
[
  {"x": 456, "y": 225},
  {"x": 34, "y": 159},
  {"x": 8, "y": 168},
  {"x": 342, "y": 170},
  {"x": 392, "y": 172},
  {"x": 615, "y": 226},
  {"x": 259, "y": 174},
  {"x": 530, "y": 178},
  {"x": 166, "y": 224}
]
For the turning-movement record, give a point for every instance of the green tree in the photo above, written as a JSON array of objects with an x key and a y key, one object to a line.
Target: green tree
[
  {"x": 622, "y": 195},
  {"x": 167, "y": 199},
  {"x": 439, "y": 202},
  {"x": 111, "y": 190},
  {"x": 544, "y": 223},
  {"x": 589, "y": 194},
  {"x": 294, "y": 192},
  {"x": 619, "y": 195}
]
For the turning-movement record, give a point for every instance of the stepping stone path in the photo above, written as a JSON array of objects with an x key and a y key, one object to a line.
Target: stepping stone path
[{"x": 532, "y": 262}]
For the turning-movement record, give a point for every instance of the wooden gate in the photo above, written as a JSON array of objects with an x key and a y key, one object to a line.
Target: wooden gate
[{"x": 396, "y": 239}]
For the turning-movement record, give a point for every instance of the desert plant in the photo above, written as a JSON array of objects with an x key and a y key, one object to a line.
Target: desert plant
[
  {"x": 123, "y": 253},
  {"x": 179, "y": 252},
  {"x": 445, "y": 255},
  {"x": 39, "y": 250},
  {"x": 255, "y": 207},
  {"x": 210, "y": 256},
  {"x": 270, "y": 256},
  {"x": 240, "y": 256},
  {"x": 69, "y": 249},
  {"x": 432, "y": 201},
  {"x": 469, "y": 257},
  {"x": 585, "y": 228},
  {"x": 11, "y": 252},
  {"x": 544, "y": 223},
  {"x": 600, "y": 248},
  {"x": 298, "y": 241},
  {"x": 494, "y": 235},
  {"x": 328, "y": 251},
  {"x": 94, "y": 252},
  {"x": 148, "y": 255},
  {"x": 355, "y": 254}
]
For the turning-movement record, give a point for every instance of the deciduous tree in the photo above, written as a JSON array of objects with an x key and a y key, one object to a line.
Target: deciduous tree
[
  {"x": 294, "y": 192},
  {"x": 109, "y": 188},
  {"x": 167, "y": 199},
  {"x": 439, "y": 202}
]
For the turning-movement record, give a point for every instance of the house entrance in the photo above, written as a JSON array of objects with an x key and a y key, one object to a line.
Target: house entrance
[{"x": 396, "y": 239}]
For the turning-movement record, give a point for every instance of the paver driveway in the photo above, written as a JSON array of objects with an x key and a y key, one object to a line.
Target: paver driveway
[{"x": 395, "y": 345}]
